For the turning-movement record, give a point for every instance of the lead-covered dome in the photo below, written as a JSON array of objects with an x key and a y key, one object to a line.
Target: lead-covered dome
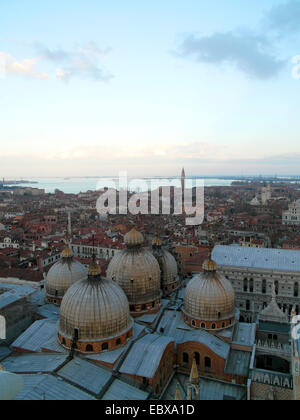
[
  {"x": 209, "y": 300},
  {"x": 137, "y": 271},
  {"x": 62, "y": 275},
  {"x": 168, "y": 267},
  {"x": 94, "y": 314}
]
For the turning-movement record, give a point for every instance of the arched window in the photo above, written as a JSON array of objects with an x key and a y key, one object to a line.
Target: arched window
[
  {"x": 185, "y": 358},
  {"x": 245, "y": 285},
  {"x": 264, "y": 287},
  {"x": 144, "y": 307},
  {"x": 203, "y": 325},
  {"x": 223, "y": 325},
  {"x": 207, "y": 362},
  {"x": 251, "y": 285},
  {"x": 89, "y": 348},
  {"x": 105, "y": 346},
  {"x": 64, "y": 342},
  {"x": 118, "y": 342},
  {"x": 213, "y": 327},
  {"x": 193, "y": 323}
]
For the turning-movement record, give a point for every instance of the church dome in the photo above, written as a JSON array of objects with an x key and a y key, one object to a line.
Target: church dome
[
  {"x": 62, "y": 275},
  {"x": 168, "y": 266},
  {"x": 137, "y": 271},
  {"x": 94, "y": 314},
  {"x": 209, "y": 300}
]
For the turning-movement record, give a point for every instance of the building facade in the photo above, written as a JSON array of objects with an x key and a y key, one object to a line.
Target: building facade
[{"x": 253, "y": 271}]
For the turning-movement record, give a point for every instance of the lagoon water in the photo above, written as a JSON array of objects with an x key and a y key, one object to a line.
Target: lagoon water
[{"x": 77, "y": 185}]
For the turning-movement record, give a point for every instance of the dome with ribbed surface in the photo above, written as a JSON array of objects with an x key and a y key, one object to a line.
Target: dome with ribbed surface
[
  {"x": 209, "y": 296},
  {"x": 62, "y": 275},
  {"x": 96, "y": 308},
  {"x": 137, "y": 271},
  {"x": 168, "y": 266},
  {"x": 133, "y": 238}
]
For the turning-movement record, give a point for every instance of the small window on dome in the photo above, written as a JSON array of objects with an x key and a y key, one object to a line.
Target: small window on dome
[
  {"x": 213, "y": 326},
  {"x": 105, "y": 346},
  {"x": 203, "y": 325},
  {"x": 193, "y": 323}
]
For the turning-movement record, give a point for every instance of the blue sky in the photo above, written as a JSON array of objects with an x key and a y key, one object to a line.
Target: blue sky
[{"x": 95, "y": 87}]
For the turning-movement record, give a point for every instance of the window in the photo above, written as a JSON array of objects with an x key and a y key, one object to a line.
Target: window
[
  {"x": 296, "y": 290},
  {"x": 105, "y": 346},
  {"x": 207, "y": 362},
  {"x": 76, "y": 333},
  {"x": 185, "y": 358},
  {"x": 89, "y": 348},
  {"x": 118, "y": 342},
  {"x": 197, "y": 358},
  {"x": 213, "y": 326},
  {"x": 203, "y": 325},
  {"x": 193, "y": 323}
]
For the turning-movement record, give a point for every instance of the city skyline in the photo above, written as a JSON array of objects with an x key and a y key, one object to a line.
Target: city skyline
[{"x": 91, "y": 88}]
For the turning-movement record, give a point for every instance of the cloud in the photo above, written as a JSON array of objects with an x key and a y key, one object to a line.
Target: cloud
[
  {"x": 249, "y": 53},
  {"x": 26, "y": 67},
  {"x": 83, "y": 62},
  {"x": 284, "y": 19}
]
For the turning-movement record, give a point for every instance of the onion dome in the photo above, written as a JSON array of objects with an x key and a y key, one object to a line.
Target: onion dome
[
  {"x": 94, "y": 315},
  {"x": 62, "y": 275},
  {"x": 137, "y": 271},
  {"x": 133, "y": 238},
  {"x": 209, "y": 300},
  {"x": 168, "y": 267}
]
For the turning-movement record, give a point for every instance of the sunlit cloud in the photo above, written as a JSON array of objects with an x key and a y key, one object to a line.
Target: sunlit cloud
[{"x": 26, "y": 67}]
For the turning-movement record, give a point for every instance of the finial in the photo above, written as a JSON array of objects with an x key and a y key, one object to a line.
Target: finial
[
  {"x": 194, "y": 375},
  {"x": 178, "y": 393}
]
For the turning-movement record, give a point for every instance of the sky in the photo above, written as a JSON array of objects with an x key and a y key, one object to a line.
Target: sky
[{"x": 94, "y": 87}]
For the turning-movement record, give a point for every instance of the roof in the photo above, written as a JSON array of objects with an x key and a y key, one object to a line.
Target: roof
[
  {"x": 34, "y": 363},
  {"x": 145, "y": 356},
  {"x": 48, "y": 387},
  {"x": 120, "y": 391},
  {"x": 218, "y": 346},
  {"x": 238, "y": 363},
  {"x": 210, "y": 390},
  {"x": 85, "y": 374},
  {"x": 13, "y": 293},
  {"x": 257, "y": 258},
  {"x": 244, "y": 334},
  {"x": 37, "y": 336}
]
